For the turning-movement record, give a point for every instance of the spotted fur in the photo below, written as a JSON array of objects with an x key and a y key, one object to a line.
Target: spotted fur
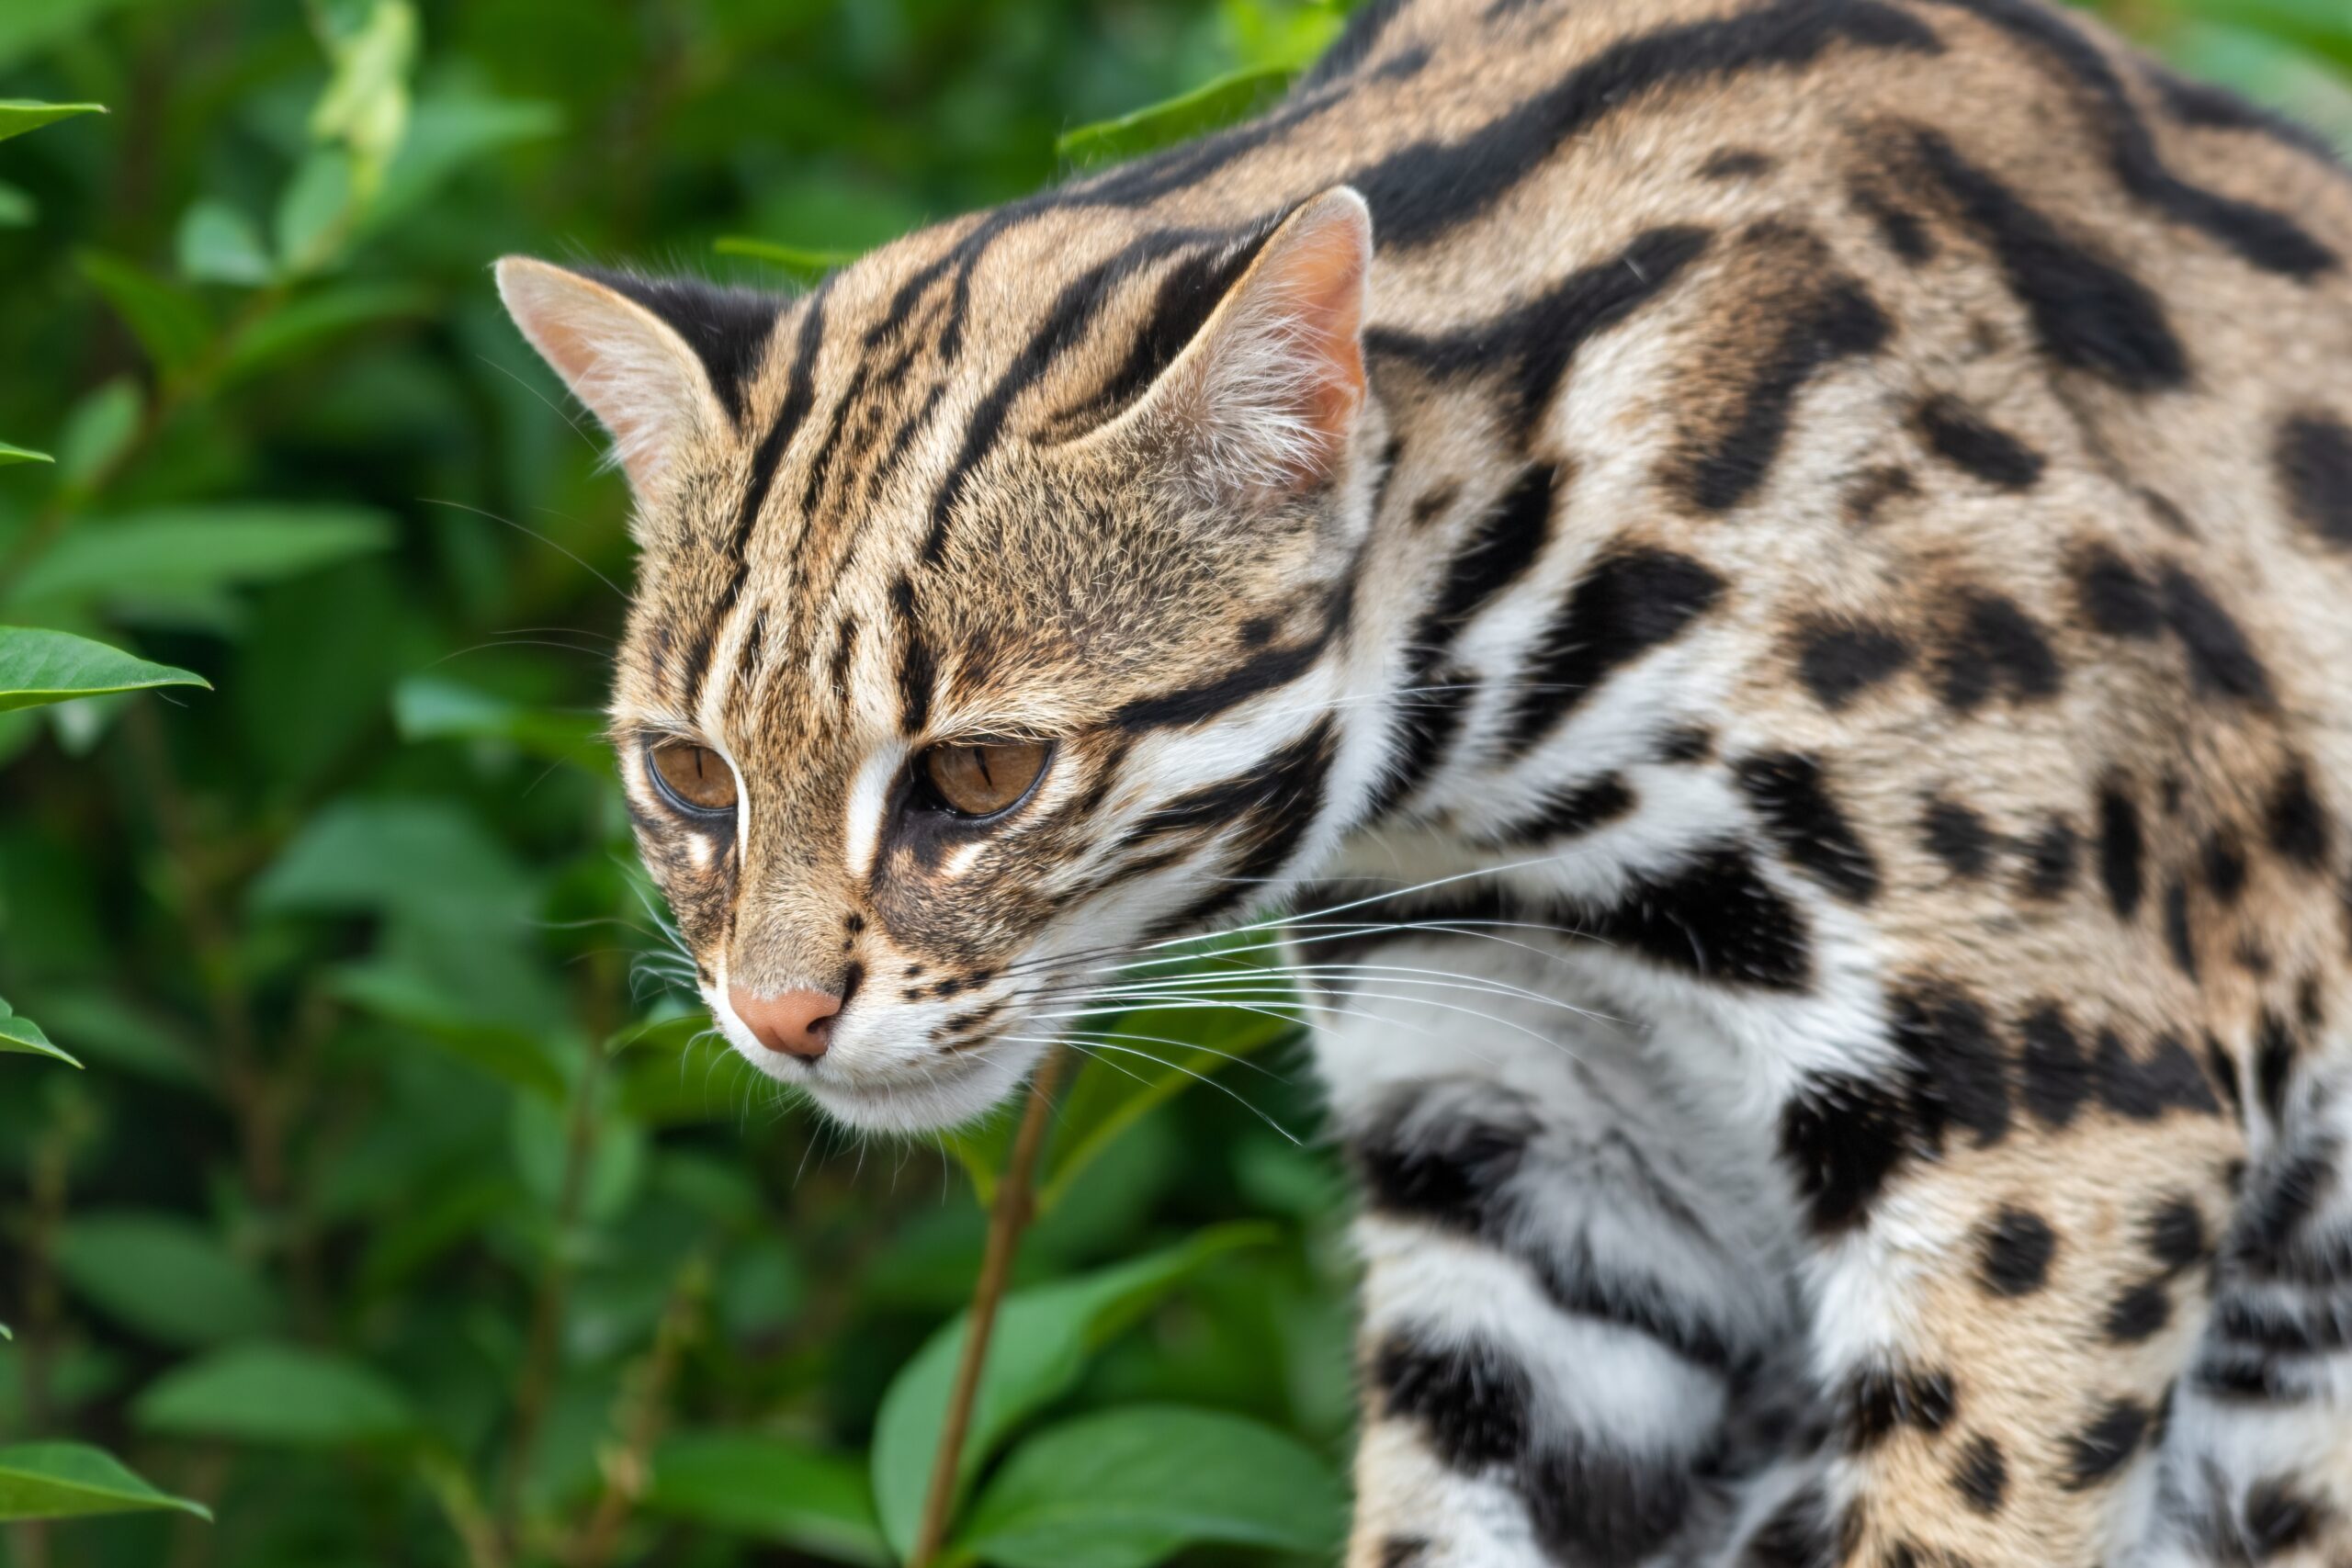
[{"x": 1784, "y": 565}]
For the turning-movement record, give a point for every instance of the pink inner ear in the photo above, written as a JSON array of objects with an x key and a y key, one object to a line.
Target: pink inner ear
[{"x": 1326, "y": 275}]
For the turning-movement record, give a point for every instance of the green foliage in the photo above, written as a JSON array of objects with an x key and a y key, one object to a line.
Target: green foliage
[
  {"x": 64, "y": 1480},
  {"x": 408, "y": 1213}
]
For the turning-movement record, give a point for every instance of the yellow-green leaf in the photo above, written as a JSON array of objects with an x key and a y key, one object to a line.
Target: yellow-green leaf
[
  {"x": 20, "y": 115},
  {"x": 21, "y": 1036},
  {"x": 67, "y": 1481},
  {"x": 801, "y": 261},
  {"x": 41, "y": 667},
  {"x": 20, "y": 455}
]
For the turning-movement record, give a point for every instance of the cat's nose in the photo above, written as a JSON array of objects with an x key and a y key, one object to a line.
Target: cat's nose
[{"x": 794, "y": 1024}]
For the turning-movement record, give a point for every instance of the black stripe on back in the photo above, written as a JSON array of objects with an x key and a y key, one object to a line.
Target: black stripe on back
[
  {"x": 1840, "y": 322},
  {"x": 1630, "y": 602},
  {"x": 1534, "y": 343},
  {"x": 726, "y": 328},
  {"x": 1420, "y": 191},
  {"x": 2088, "y": 313},
  {"x": 2262, "y": 237}
]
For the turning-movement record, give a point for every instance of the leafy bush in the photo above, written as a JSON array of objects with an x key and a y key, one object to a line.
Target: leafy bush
[{"x": 404, "y": 1213}]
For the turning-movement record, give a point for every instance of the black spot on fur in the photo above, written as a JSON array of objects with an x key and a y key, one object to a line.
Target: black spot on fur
[
  {"x": 1735, "y": 163},
  {"x": 1996, "y": 647},
  {"x": 1981, "y": 1476},
  {"x": 726, "y": 328},
  {"x": 1471, "y": 1399},
  {"x": 1419, "y": 192},
  {"x": 1568, "y": 812},
  {"x": 2138, "y": 1314},
  {"x": 917, "y": 668},
  {"x": 1961, "y": 438},
  {"x": 1428, "y": 720},
  {"x": 2169, "y": 1079},
  {"x": 2298, "y": 823},
  {"x": 1450, "y": 1171},
  {"x": 2175, "y": 1235},
  {"x": 1843, "y": 1137},
  {"x": 1866, "y": 502},
  {"x": 1593, "y": 1504},
  {"x": 1880, "y": 1399},
  {"x": 1630, "y": 602},
  {"x": 2274, "y": 1051},
  {"x": 2225, "y": 867},
  {"x": 2177, "y": 934},
  {"x": 2088, "y": 313},
  {"x": 1957, "y": 836},
  {"x": 2279, "y": 1519},
  {"x": 2115, "y": 597},
  {"x": 1686, "y": 743},
  {"x": 1404, "y": 1551},
  {"x": 1897, "y": 225},
  {"x": 2260, "y": 236},
  {"x": 2221, "y": 660},
  {"x": 2120, "y": 851},
  {"x": 1790, "y": 793},
  {"x": 1796, "y": 1536},
  {"x": 1506, "y": 542},
  {"x": 2049, "y": 860},
  {"x": 1838, "y": 661},
  {"x": 1960, "y": 1076},
  {"x": 2095, "y": 1453},
  {"x": 2057, "y": 1077},
  {"x": 1716, "y": 918},
  {"x": 2224, "y": 1073},
  {"x": 1841, "y": 324},
  {"x": 2314, "y": 457},
  {"x": 2018, "y": 1246}
]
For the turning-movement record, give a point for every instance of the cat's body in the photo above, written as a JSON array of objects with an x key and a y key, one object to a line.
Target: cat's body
[{"x": 1832, "y": 575}]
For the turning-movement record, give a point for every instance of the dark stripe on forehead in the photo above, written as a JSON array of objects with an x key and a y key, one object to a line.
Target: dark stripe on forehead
[
  {"x": 1420, "y": 191},
  {"x": 799, "y": 392},
  {"x": 726, "y": 328},
  {"x": 918, "y": 668},
  {"x": 1073, "y": 312},
  {"x": 2265, "y": 239}
]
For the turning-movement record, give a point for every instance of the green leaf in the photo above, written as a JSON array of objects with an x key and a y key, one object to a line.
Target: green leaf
[
  {"x": 170, "y": 324},
  {"x": 305, "y": 325},
  {"x": 450, "y": 130},
  {"x": 98, "y": 430},
  {"x": 1044, "y": 1338},
  {"x": 20, "y": 455},
  {"x": 164, "y": 1277},
  {"x": 313, "y": 211},
  {"x": 1129, "y": 1488},
  {"x": 540, "y": 1135},
  {"x": 21, "y": 1036},
  {"x": 427, "y": 707},
  {"x": 801, "y": 261},
  {"x": 20, "y": 115},
  {"x": 1222, "y": 102},
  {"x": 120, "y": 1037},
  {"x": 70, "y": 1481},
  {"x": 41, "y": 667},
  {"x": 17, "y": 208},
  {"x": 219, "y": 245},
  {"x": 365, "y": 105},
  {"x": 513, "y": 1055},
  {"x": 425, "y": 859},
  {"x": 195, "y": 549},
  {"x": 770, "y": 1488},
  {"x": 276, "y": 1395}
]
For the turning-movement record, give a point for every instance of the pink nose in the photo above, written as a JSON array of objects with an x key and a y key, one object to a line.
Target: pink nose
[{"x": 794, "y": 1024}]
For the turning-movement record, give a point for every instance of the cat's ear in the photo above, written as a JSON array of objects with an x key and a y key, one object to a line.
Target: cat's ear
[
  {"x": 642, "y": 381},
  {"x": 1261, "y": 403}
]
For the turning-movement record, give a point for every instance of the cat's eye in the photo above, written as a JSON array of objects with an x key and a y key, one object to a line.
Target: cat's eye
[
  {"x": 981, "y": 780},
  {"x": 695, "y": 778}
]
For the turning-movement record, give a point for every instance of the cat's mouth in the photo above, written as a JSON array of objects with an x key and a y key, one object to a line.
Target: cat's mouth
[{"x": 938, "y": 1093}]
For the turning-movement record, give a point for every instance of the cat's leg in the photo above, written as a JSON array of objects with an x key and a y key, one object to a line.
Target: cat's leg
[
  {"x": 2256, "y": 1465},
  {"x": 2004, "y": 1293},
  {"x": 1574, "y": 1302}
]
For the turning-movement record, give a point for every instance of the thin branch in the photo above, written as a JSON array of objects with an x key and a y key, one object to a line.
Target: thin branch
[{"x": 1014, "y": 1202}]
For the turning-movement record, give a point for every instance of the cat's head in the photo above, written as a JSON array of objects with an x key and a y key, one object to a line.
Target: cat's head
[{"x": 992, "y": 621}]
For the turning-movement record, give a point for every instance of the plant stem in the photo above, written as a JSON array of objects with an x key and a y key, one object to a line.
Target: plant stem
[
  {"x": 628, "y": 1468},
  {"x": 1014, "y": 1202}
]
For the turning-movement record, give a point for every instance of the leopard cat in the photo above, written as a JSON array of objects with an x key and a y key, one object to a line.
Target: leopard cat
[{"x": 1773, "y": 582}]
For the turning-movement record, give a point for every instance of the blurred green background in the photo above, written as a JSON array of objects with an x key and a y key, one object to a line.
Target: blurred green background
[{"x": 399, "y": 1214}]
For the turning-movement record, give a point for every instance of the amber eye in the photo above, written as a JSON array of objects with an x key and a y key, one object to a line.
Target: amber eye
[
  {"x": 982, "y": 780},
  {"x": 695, "y": 778}
]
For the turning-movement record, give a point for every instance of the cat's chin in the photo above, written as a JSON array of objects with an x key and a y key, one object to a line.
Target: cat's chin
[{"x": 930, "y": 1104}]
